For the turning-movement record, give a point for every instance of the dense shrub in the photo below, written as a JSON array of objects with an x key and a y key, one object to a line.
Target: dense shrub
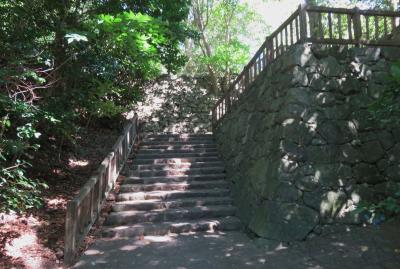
[{"x": 66, "y": 64}]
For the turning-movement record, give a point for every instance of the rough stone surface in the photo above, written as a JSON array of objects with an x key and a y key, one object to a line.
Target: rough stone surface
[
  {"x": 178, "y": 105},
  {"x": 283, "y": 221},
  {"x": 301, "y": 140}
]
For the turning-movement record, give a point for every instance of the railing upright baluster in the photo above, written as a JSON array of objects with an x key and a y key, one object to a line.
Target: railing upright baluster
[
  {"x": 330, "y": 25},
  {"x": 291, "y": 33},
  {"x": 320, "y": 26},
  {"x": 357, "y": 26},
  {"x": 385, "y": 28},
  {"x": 349, "y": 27},
  {"x": 270, "y": 50},
  {"x": 286, "y": 38},
  {"x": 228, "y": 101},
  {"x": 265, "y": 53},
  {"x": 393, "y": 23},
  {"x": 303, "y": 22}
]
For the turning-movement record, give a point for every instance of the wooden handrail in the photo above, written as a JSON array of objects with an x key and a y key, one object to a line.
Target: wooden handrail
[
  {"x": 343, "y": 26},
  {"x": 84, "y": 208},
  {"x": 320, "y": 9}
]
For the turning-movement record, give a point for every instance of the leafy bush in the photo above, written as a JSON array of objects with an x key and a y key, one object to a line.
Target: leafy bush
[
  {"x": 386, "y": 109},
  {"x": 378, "y": 212},
  {"x": 18, "y": 137},
  {"x": 67, "y": 64}
]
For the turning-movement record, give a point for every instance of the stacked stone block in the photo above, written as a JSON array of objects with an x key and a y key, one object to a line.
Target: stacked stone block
[{"x": 300, "y": 146}]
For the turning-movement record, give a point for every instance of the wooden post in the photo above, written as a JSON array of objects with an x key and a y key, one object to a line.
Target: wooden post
[
  {"x": 71, "y": 223},
  {"x": 330, "y": 25},
  {"x": 92, "y": 202},
  {"x": 315, "y": 26},
  {"x": 213, "y": 119},
  {"x": 357, "y": 26},
  {"x": 376, "y": 21},
  {"x": 349, "y": 27},
  {"x": 270, "y": 50},
  {"x": 228, "y": 101},
  {"x": 246, "y": 77},
  {"x": 100, "y": 190},
  {"x": 303, "y": 22}
]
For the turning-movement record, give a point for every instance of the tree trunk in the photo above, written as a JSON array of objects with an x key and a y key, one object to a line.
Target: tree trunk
[
  {"x": 59, "y": 50},
  {"x": 201, "y": 23}
]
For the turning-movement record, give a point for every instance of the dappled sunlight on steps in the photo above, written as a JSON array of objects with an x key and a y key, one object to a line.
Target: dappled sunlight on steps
[{"x": 176, "y": 184}]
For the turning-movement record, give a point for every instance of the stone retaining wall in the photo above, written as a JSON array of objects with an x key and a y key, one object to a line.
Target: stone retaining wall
[
  {"x": 300, "y": 146},
  {"x": 177, "y": 105}
]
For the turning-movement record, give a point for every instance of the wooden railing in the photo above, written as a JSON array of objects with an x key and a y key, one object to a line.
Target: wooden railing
[
  {"x": 352, "y": 26},
  {"x": 321, "y": 25},
  {"x": 84, "y": 209}
]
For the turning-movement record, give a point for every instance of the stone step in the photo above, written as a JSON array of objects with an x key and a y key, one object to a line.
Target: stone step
[
  {"x": 177, "y": 143},
  {"x": 187, "y": 140},
  {"x": 172, "y": 137},
  {"x": 168, "y": 166},
  {"x": 179, "y": 172},
  {"x": 170, "y": 195},
  {"x": 161, "y": 215},
  {"x": 176, "y": 160},
  {"x": 183, "y": 226},
  {"x": 157, "y": 204},
  {"x": 169, "y": 151},
  {"x": 216, "y": 184},
  {"x": 172, "y": 179},
  {"x": 177, "y": 135},
  {"x": 141, "y": 156},
  {"x": 183, "y": 147}
]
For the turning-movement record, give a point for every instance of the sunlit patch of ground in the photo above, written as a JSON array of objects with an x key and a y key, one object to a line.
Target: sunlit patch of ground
[
  {"x": 74, "y": 163},
  {"x": 56, "y": 202},
  {"x": 22, "y": 247},
  {"x": 37, "y": 239}
]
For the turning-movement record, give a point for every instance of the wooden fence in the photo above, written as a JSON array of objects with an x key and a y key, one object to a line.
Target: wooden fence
[
  {"x": 84, "y": 209},
  {"x": 321, "y": 25}
]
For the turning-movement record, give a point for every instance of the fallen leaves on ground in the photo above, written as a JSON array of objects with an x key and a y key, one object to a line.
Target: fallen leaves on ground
[{"x": 36, "y": 240}]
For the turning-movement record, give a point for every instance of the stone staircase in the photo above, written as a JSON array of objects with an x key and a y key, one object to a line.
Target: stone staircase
[{"x": 176, "y": 185}]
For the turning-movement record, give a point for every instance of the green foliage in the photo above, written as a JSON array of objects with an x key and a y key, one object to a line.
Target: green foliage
[
  {"x": 18, "y": 192},
  {"x": 375, "y": 213},
  {"x": 232, "y": 57},
  {"x": 128, "y": 34},
  {"x": 386, "y": 109},
  {"x": 66, "y": 64},
  {"x": 18, "y": 137},
  {"x": 220, "y": 49},
  {"x": 227, "y": 24}
]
